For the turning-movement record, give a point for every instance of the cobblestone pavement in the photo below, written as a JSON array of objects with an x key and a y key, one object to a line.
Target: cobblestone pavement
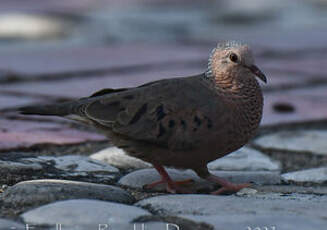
[{"x": 56, "y": 173}]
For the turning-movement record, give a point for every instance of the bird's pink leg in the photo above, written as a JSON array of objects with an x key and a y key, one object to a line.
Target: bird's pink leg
[
  {"x": 226, "y": 186},
  {"x": 172, "y": 186}
]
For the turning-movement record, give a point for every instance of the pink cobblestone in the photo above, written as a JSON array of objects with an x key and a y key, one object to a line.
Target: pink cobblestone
[
  {"x": 10, "y": 101},
  {"x": 305, "y": 108},
  {"x": 18, "y": 133},
  {"x": 81, "y": 87},
  {"x": 280, "y": 79},
  {"x": 312, "y": 66},
  {"x": 79, "y": 59}
]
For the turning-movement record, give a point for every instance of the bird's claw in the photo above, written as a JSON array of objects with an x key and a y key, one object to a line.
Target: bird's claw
[{"x": 172, "y": 186}]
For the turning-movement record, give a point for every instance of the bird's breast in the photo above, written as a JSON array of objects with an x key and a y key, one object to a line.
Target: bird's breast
[{"x": 239, "y": 124}]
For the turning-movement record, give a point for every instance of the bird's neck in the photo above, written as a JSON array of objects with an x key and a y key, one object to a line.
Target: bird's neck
[
  {"x": 229, "y": 85},
  {"x": 235, "y": 88}
]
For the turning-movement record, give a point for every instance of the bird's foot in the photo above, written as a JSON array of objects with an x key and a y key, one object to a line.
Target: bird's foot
[
  {"x": 171, "y": 186},
  {"x": 226, "y": 186},
  {"x": 174, "y": 183},
  {"x": 176, "y": 187},
  {"x": 230, "y": 189}
]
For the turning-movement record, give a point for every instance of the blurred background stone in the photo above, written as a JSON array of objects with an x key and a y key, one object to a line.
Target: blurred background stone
[
  {"x": 104, "y": 21},
  {"x": 25, "y": 26}
]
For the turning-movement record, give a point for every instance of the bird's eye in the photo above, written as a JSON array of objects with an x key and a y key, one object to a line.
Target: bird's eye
[{"x": 233, "y": 57}]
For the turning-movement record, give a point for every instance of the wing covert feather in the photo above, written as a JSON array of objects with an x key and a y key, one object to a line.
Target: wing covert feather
[{"x": 160, "y": 113}]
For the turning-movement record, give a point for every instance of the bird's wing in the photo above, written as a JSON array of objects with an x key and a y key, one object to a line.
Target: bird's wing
[
  {"x": 107, "y": 91},
  {"x": 173, "y": 113}
]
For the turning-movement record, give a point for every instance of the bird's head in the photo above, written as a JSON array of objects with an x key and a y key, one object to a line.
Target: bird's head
[{"x": 232, "y": 62}]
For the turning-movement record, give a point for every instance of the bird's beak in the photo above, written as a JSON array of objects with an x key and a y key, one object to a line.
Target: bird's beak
[{"x": 256, "y": 71}]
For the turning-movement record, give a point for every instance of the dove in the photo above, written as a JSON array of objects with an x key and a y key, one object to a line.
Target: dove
[{"x": 182, "y": 122}]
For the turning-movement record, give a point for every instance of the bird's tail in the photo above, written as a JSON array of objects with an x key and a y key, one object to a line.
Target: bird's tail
[{"x": 62, "y": 109}]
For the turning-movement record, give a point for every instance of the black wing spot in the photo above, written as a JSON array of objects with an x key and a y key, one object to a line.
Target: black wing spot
[
  {"x": 114, "y": 103},
  {"x": 129, "y": 97},
  {"x": 171, "y": 123},
  {"x": 139, "y": 114},
  {"x": 183, "y": 124},
  {"x": 162, "y": 131},
  {"x": 197, "y": 121},
  {"x": 160, "y": 113},
  {"x": 209, "y": 123}
]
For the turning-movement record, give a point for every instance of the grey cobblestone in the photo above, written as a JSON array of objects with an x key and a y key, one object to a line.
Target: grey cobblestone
[
  {"x": 8, "y": 224},
  {"x": 260, "y": 204},
  {"x": 316, "y": 175},
  {"x": 42, "y": 192},
  {"x": 84, "y": 213},
  {"x": 245, "y": 159},
  {"x": 313, "y": 141},
  {"x": 118, "y": 158},
  {"x": 19, "y": 168}
]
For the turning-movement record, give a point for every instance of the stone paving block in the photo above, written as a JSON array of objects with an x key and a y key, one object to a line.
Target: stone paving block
[
  {"x": 11, "y": 101},
  {"x": 19, "y": 133},
  {"x": 276, "y": 79},
  {"x": 76, "y": 164},
  {"x": 286, "y": 106},
  {"x": 259, "y": 204},
  {"x": 29, "y": 63},
  {"x": 9, "y": 224},
  {"x": 47, "y": 191},
  {"x": 317, "y": 93},
  {"x": 81, "y": 87},
  {"x": 32, "y": 26},
  {"x": 118, "y": 158},
  {"x": 245, "y": 159},
  {"x": 214, "y": 20},
  {"x": 310, "y": 66},
  {"x": 307, "y": 39},
  {"x": 256, "y": 177},
  {"x": 83, "y": 212},
  {"x": 313, "y": 141},
  {"x": 315, "y": 175},
  {"x": 16, "y": 167},
  {"x": 292, "y": 189},
  {"x": 130, "y": 219},
  {"x": 250, "y": 221}
]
